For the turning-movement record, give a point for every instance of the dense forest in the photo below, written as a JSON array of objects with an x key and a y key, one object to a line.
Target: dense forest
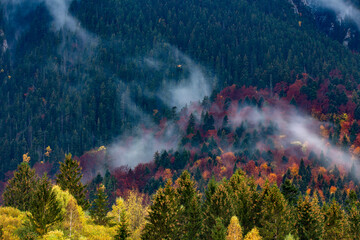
[{"x": 179, "y": 120}]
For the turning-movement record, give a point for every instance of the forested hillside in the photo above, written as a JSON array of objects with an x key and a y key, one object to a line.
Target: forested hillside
[
  {"x": 208, "y": 119},
  {"x": 71, "y": 90}
]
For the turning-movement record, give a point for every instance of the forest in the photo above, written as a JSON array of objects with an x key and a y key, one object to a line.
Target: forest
[{"x": 147, "y": 119}]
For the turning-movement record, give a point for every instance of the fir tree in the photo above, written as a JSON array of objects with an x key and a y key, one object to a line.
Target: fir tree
[
  {"x": 354, "y": 222},
  {"x": 309, "y": 219},
  {"x": 336, "y": 224},
  {"x": 45, "y": 208},
  {"x": 69, "y": 179},
  {"x": 122, "y": 231},
  {"x": 163, "y": 215},
  {"x": 274, "y": 218},
  {"x": 290, "y": 192},
  {"x": 234, "y": 231},
  {"x": 219, "y": 231},
  {"x": 190, "y": 213},
  {"x": 20, "y": 188},
  {"x": 98, "y": 210}
]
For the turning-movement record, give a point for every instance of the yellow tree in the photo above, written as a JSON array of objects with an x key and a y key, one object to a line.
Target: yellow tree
[
  {"x": 234, "y": 230},
  {"x": 253, "y": 235}
]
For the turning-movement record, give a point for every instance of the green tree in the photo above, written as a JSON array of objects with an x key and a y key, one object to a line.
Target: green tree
[
  {"x": 45, "y": 208},
  {"x": 290, "y": 192},
  {"x": 122, "y": 231},
  {"x": 163, "y": 215},
  {"x": 98, "y": 210},
  {"x": 219, "y": 231},
  {"x": 274, "y": 217},
  {"x": 69, "y": 179},
  {"x": 20, "y": 188},
  {"x": 309, "y": 219},
  {"x": 189, "y": 202},
  {"x": 336, "y": 224},
  {"x": 354, "y": 222}
]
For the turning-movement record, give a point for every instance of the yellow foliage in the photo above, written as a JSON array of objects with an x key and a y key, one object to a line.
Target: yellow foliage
[
  {"x": 137, "y": 211},
  {"x": 294, "y": 169},
  {"x": 234, "y": 230},
  {"x": 118, "y": 211},
  {"x": 54, "y": 235},
  {"x": 26, "y": 157},
  {"x": 253, "y": 235},
  {"x": 11, "y": 219},
  {"x": 101, "y": 148},
  {"x": 98, "y": 232},
  {"x": 48, "y": 151}
]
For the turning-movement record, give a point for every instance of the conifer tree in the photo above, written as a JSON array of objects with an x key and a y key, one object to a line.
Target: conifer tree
[
  {"x": 98, "y": 210},
  {"x": 243, "y": 194},
  {"x": 163, "y": 215},
  {"x": 309, "y": 219},
  {"x": 234, "y": 231},
  {"x": 274, "y": 218},
  {"x": 218, "y": 206},
  {"x": 69, "y": 179},
  {"x": 190, "y": 214},
  {"x": 45, "y": 208},
  {"x": 20, "y": 188},
  {"x": 336, "y": 224},
  {"x": 253, "y": 235},
  {"x": 122, "y": 231},
  {"x": 290, "y": 192},
  {"x": 354, "y": 222},
  {"x": 219, "y": 231}
]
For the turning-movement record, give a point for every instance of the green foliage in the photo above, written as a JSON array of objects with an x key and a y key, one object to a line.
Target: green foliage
[
  {"x": 98, "y": 210},
  {"x": 162, "y": 222},
  {"x": 19, "y": 190},
  {"x": 354, "y": 222},
  {"x": 190, "y": 218},
  {"x": 290, "y": 192},
  {"x": 336, "y": 224},
  {"x": 45, "y": 208},
  {"x": 274, "y": 217},
  {"x": 122, "y": 232},
  {"x": 219, "y": 231},
  {"x": 69, "y": 179}
]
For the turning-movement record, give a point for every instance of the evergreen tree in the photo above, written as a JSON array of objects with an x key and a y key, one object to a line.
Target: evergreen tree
[
  {"x": 20, "y": 188},
  {"x": 290, "y": 192},
  {"x": 163, "y": 215},
  {"x": 69, "y": 179},
  {"x": 354, "y": 222},
  {"x": 122, "y": 231},
  {"x": 190, "y": 214},
  {"x": 98, "y": 210},
  {"x": 309, "y": 219},
  {"x": 234, "y": 231},
  {"x": 274, "y": 216},
  {"x": 336, "y": 224},
  {"x": 45, "y": 208},
  {"x": 219, "y": 231}
]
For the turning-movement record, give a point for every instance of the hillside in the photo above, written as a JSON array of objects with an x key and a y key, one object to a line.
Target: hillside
[{"x": 72, "y": 84}]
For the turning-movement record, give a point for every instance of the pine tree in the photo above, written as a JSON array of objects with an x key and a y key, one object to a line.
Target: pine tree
[
  {"x": 290, "y": 192},
  {"x": 309, "y": 219},
  {"x": 98, "y": 210},
  {"x": 69, "y": 179},
  {"x": 20, "y": 188},
  {"x": 243, "y": 195},
  {"x": 45, "y": 208},
  {"x": 163, "y": 215},
  {"x": 274, "y": 219},
  {"x": 336, "y": 224},
  {"x": 253, "y": 235},
  {"x": 190, "y": 213},
  {"x": 122, "y": 231},
  {"x": 219, "y": 231},
  {"x": 354, "y": 222},
  {"x": 234, "y": 231}
]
